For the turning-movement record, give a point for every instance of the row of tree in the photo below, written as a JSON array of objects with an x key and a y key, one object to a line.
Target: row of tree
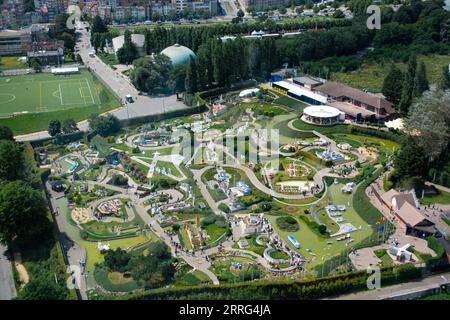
[
  {"x": 424, "y": 154},
  {"x": 24, "y": 222},
  {"x": 160, "y": 37},
  {"x": 401, "y": 88}
]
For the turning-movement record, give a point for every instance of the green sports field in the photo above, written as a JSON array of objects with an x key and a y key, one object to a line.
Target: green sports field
[
  {"x": 29, "y": 102},
  {"x": 46, "y": 92}
]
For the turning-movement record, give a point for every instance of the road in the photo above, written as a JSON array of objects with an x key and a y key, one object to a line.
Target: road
[
  {"x": 230, "y": 8},
  {"x": 120, "y": 85},
  {"x": 71, "y": 249},
  {"x": 7, "y": 286},
  {"x": 386, "y": 292}
]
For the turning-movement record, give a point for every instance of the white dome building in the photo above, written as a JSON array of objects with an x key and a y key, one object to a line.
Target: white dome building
[
  {"x": 322, "y": 115},
  {"x": 178, "y": 54}
]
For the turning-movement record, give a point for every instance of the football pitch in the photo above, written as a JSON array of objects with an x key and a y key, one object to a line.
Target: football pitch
[{"x": 45, "y": 92}]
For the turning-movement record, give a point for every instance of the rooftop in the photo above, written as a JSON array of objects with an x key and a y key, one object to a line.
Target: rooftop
[
  {"x": 412, "y": 216},
  {"x": 307, "y": 80},
  {"x": 337, "y": 90},
  {"x": 137, "y": 39},
  {"x": 178, "y": 54},
  {"x": 300, "y": 91},
  {"x": 350, "y": 109},
  {"x": 321, "y": 111}
]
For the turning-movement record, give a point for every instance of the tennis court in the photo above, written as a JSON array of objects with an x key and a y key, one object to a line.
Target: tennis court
[{"x": 46, "y": 92}]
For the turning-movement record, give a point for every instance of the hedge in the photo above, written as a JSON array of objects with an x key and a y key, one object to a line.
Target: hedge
[
  {"x": 283, "y": 289},
  {"x": 387, "y": 135}
]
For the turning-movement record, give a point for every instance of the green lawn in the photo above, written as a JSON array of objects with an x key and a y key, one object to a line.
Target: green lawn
[
  {"x": 371, "y": 76},
  {"x": 291, "y": 103},
  {"x": 222, "y": 269},
  {"x": 169, "y": 165},
  {"x": 214, "y": 232},
  {"x": 386, "y": 260},
  {"x": 252, "y": 245},
  {"x": 441, "y": 198},
  {"x": 7, "y": 63},
  {"x": 440, "y": 296},
  {"x": 337, "y": 128},
  {"x": 29, "y": 102},
  {"x": 184, "y": 238},
  {"x": 308, "y": 239}
]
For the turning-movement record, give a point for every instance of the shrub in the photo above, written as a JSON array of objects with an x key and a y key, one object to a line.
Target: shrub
[
  {"x": 118, "y": 180},
  {"x": 287, "y": 223},
  {"x": 322, "y": 229},
  {"x": 224, "y": 208}
]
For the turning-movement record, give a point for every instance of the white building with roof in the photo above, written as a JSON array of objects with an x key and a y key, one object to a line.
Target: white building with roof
[
  {"x": 137, "y": 39},
  {"x": 299, "y": 92}
]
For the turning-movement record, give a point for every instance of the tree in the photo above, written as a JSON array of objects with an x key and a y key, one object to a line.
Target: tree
[
  {"x": 191, "y": 77},
  {"x": 172, "y": 15},
  {"x": 338, "y": 14},
  {"x": 104, "y": 125},
  {"x": 411, "y": 160},
  {"x": 420, "y": 81},
  {"x": 444, "y": 83},
  {"x": 179, "y": 77},
  {"x": 128, "y": 52},
  {"x": 322, "y": 229},
  {"x": 6, "y": 133},
  {"x": 69, "y": 126},
  {"x": 153, "y": 74},
  {"x": 98, "y": 25},
  {"x": 36, "y": 64},
  {"x": 118, "y": 180},
  {"x": 282, "y": 9},
  {"x": 156, "y": 16},
  {"x": 429, "y": 120},
  {"x": 176, "y": 227},
  {"x": 117, "y": 260},
  {"x": 392, "y": 85},
  {"x": 12, "y": 161},
  {"x": 23, "y": 212},
  {"x": 44, "y": 288},
  {"x": 155, "y": 268},
  {"x": 54, "y": 127},
  {"x": 240, "y": 13},
  {"x": 408, "y": 85},
  {"x": 148, "y": 42}
]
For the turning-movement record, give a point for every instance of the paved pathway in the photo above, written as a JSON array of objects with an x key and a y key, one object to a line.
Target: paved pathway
[
  {"x": 7, "y": 286},
  {"x": 71, "y": 249},
  {"x": 386, "y": 292}
]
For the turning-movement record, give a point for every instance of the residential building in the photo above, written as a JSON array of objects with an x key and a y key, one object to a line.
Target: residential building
[
  {"x": 261, "y": 4},
  {"x": 13, "y": 15},
  {"x": 13, "y": 42}
]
